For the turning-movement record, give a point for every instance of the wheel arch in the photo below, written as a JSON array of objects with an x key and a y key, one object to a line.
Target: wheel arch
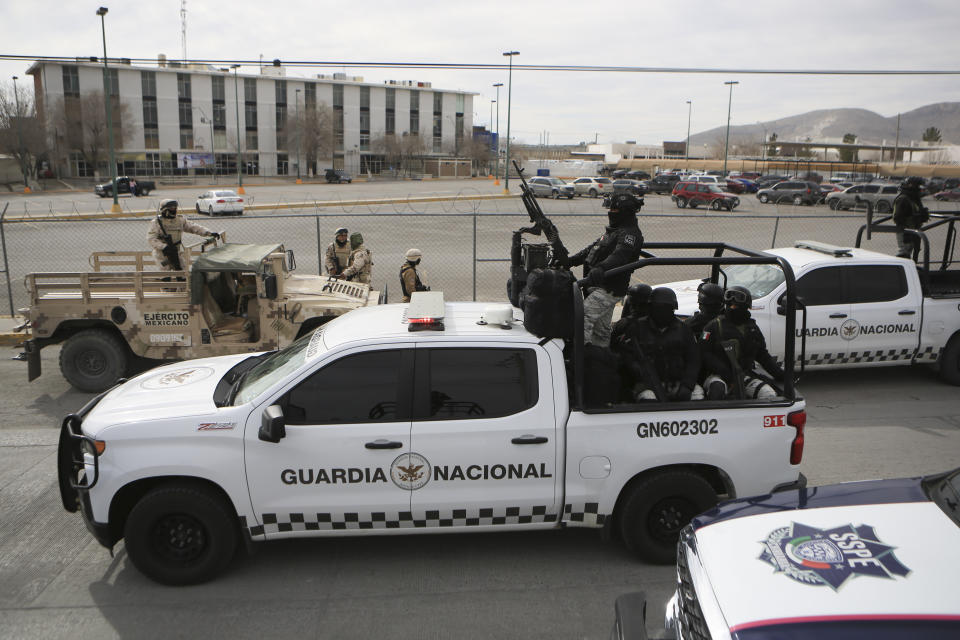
[
  {"x": 130, "y": 494},
  {"x": 69, "y": 328},
  {"x": 718, "y": 479}
]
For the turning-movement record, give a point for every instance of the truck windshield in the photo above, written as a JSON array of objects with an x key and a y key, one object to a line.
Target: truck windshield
[
  {"x": 276, "y": 367},
  {"x": 759, "y": 279}
]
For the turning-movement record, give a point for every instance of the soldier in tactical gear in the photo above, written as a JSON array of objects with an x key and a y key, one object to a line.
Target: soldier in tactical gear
[
  {"x": 710, "y": 303},
  {"x": 409, "y": 276},
  {"x": 909, "y": 213},
  {"x": 619, "y": 245},
  {"x": 730, "y": 345},
  {"x": 165, "y": 233},
  {"x": 360, "y": 265},
  {"x": 634, "y": 307},
  {"x": 662, "y": 340},
  {"x": 338, "y": 253}
]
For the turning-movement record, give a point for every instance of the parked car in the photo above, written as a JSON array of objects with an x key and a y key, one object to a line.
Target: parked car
[
  {"x": 637, "y": 175},
  {"x": 663, "y": 183},
  {"x": 793, "y": 191},
  {"x": 881, "y": 196},
  {"x": 769, "y": 180},
  {"x": 338, "y": 176},
  {"x": 844, "y": 199},
  {"x": 220, "y": 202},
  {"x": 734, "y": 186},
  {"x": 619, "y": 173},
  {"x": 593, "y": 187},
  {"x": 636, "y": 187},
  {"x": 749, "y": 186},
  {"x": 871, "y": 559},
  {"x": 547, "y": 187},
  {"x": 951, "y": 194},
  {"x": 694, "y": 194},
  {"x": 105, "y": 190}
]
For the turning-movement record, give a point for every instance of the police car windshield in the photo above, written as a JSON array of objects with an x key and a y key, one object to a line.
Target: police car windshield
[
  {"x": 759, "y": 279},
  {"x": 276, "y": 367}
]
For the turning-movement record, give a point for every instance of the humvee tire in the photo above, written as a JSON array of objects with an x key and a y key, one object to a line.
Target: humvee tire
[{"x": 92, "y": 360}]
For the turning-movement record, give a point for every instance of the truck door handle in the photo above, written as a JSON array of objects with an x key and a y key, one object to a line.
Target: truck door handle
[
  {"x": 906, "y": 312},
  {"x": 529, "y": 439},
  {"x": 383, "y": 444},
  {"x": 838, "y": 315}
]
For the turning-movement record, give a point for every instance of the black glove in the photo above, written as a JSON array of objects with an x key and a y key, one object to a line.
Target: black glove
[
  {"x": 684, "y": 393},
  {"x": 595, "y": 277},
  {"x": 214, "y": 234}
]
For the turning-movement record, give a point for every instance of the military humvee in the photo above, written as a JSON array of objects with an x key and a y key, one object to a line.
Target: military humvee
[{"x": 230, "y": 298}]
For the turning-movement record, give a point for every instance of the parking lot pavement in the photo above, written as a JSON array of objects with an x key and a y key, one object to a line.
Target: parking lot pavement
[{"x": 57, "y": 582}]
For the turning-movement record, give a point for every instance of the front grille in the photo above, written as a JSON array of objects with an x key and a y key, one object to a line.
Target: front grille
[{"x": 691, "y": 621}]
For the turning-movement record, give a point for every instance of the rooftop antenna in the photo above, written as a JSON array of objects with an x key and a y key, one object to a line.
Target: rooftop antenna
[{"x": 183, "y": 27}]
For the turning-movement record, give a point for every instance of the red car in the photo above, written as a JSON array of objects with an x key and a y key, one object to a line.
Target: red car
[
  {"x": 950, "y": 194},
  {"x": 695, "y": 194}
]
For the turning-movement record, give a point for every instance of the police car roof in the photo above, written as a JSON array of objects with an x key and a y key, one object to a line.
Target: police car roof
[
  {"x": 388, "y": 321},
  {"x": 801, "y": 257}
]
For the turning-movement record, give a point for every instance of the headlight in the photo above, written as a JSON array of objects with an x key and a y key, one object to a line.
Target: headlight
[{"x": 93, "y": 447}]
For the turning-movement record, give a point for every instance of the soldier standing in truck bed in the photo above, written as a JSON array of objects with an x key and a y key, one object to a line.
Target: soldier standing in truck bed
[{"x": 165, "y": 233}]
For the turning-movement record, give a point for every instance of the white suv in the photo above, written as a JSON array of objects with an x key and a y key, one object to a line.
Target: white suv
[{"x": 593, "y": 187}]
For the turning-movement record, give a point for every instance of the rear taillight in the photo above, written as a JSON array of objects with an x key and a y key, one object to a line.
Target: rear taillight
[
  {"x": 797, "y": 420},
  {"x": 239, "y": 199},
  {"x": 808, "y": 190},
  {"x": 221, "y": 201}
]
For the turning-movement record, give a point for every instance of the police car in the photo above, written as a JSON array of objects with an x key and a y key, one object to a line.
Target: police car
[
  {"x": 875, "y": 559},
  {"x": 427, "y": 417}
]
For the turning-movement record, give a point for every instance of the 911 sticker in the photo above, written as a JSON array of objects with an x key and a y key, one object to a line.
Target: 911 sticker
[
  {"x": 774, "y": 421},
  {"x": 677, "y": 428}
]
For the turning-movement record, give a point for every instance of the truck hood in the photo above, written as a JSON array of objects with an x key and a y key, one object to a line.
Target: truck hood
[
  {"x": 328, "y": 293},
  {"x": 168, "y": 392},
  {"x": 834, "y": 562}
]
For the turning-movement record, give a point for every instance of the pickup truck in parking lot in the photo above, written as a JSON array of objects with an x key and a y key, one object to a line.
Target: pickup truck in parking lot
[
  {"x": 144, "y": 187},
  {"x": 420, "y": 417},
  {"x": 862, "y": 308}
]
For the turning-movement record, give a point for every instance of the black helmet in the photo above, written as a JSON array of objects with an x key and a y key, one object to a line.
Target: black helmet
[
  {"x": 709, "y": 294},
  {"x": 625, "y": 203},
  {"x": 636, "y": 300},
  {"x": 913, "y": 183},
  {"x": 739, "y": 296},
  {"x": 664, "y": 296}
]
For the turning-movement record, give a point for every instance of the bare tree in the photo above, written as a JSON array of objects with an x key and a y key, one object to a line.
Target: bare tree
[
  {"x": 479, "y": 152},
  {"x": 314, "y": 128},
  {"x": 21, "y": 130},
  {"x": 403, "y": 153},
  {"x": 83, "y": 123}
]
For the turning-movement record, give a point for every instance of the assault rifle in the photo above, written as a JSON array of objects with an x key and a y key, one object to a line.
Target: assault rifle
[
  {"x": 170, "y": 251},
  {"x": 647, "y": 371},
  {"x": 541, "y": 224}
]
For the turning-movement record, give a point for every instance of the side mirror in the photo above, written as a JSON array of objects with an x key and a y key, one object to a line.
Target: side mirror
[
  {"x": 291, "y": 261},
  {"x": 270, "y": 286},
  {"x": 272, "y": 426},
  {"x": 781, "y": 304}
]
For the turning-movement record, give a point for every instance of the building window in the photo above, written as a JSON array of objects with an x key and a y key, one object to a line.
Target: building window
[
  {"x": 220, "y": 138},
  {"x": 219, "y": 115},
  {"x": 71, "y": 83},
  {"x": 310, "y": 95},
  {"x": 183, "y": 86},
  {"x": 390, "y": 117},
  {"x": 437, "y": 122},
  {"x": 252, "y": 140},
  {"x": 219, "y": 89},
  {"x": 151, "y": 137},
  {"x": 113, "y": 82},
  {"x": 280, "y": 88},
  {"x": 283, "y": 164},
  {"x": 415, "y": 113},
  {"x": 186, "y": 138},
  {"x": 281, "y": 126},
  {"x": 148, "y": 84},
  {"x": 250, "y": 116},
  {"x": 186, "y": 114},
  {"x": 338, "y": 95},
  {"x": 338, "y": 115},
  {"x": 250, "y": 90},
  {"x": 365, "y": 118}
]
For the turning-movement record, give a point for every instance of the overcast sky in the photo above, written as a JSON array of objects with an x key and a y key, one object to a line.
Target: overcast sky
[{"x": 571, "y": 106}]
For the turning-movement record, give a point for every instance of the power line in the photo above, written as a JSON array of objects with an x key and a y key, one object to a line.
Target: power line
[{"x": 519, "y": 67}]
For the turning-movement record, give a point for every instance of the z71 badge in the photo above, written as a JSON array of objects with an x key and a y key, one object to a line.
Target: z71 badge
[{"x": 830, "y": 556}]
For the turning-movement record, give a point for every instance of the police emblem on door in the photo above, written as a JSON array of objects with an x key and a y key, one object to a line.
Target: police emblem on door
[{"x": 410, "y": 471}]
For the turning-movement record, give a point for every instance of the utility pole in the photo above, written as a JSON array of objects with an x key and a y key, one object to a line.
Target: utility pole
[
  {"x": 686, "y": 147},
  {"x": 299, "y": 129},
  {"x": 102, "y": 11},
  {"x": 506, "y": 172},
  {"x": 726, "y": 144},
  {"x": 896, "y": 145},
  {"x": 496, "y": 171}
]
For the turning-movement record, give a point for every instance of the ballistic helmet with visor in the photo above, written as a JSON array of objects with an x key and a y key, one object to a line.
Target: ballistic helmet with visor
[
  {"x": 664, "y": 296},
  {"x": 168, "y": 207},
  {"x": 341, "y": 230},
  {"x": 739, "y": 296},
  {"x": 913, "y": 183},
  {"x": 709, "y": 293},
  {"x": 413, "y": 255}
]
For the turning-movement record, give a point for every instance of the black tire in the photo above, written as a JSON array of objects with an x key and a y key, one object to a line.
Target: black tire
[
  {"x": 198, "y": 209},
  {"x": 715, "y": 205},
  {"x": 693, "y": 203},
  {"x": 834, "y": 204},
  {"x": 656, "y": 509},
  {"x": 144, "y": 192},
  {"x": 210, "y": 211},
  {"x": 764, "y": 198},
  {"x": 593, "y": 193},
  {"x": 950, "y": 362},
  {"x": 681, "y": 203},
  {"x": 555, "y": 194},
  {"x": 180, "y": 534},
  {"x": 92, "y": 360},
  {"x": 797, "y": 201}
]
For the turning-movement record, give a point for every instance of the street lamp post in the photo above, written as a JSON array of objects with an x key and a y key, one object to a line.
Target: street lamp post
[
  {"x": 686, "y": 147},
  {"x": 727, "y": 142},
  {"x": 236, "y": 100},
  {"x": 205, "y": 120},
  {"x": 297, "y": 100},
  {"x": 496, "y": 170},
  {"x": 491, "y": 126},
  {"x": 20, "y": 151},
  {"x": 102, "y": 11},
  {"x": 506, "y": 169}
]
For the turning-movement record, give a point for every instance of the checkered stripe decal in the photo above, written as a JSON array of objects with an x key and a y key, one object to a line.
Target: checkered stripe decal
[
  {"x": 475, "y": 517},
  {"x": 929, "y": 354},
  {"x": 585, "y": 514}
]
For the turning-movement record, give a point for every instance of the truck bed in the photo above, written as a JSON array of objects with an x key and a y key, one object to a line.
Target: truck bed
[
  {"x": 942, "y": 284},
  {"x": 50, "y": 288}
]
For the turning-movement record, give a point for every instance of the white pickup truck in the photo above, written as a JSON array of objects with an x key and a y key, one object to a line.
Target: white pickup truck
[
  {"x": 863, "y": 308},
  {"x": 427, "y": 417}
]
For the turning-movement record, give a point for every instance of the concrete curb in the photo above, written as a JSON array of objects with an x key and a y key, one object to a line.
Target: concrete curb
[{"x": 12, "y": 339}]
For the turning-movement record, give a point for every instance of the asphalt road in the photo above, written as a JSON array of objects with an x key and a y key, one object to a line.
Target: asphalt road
[{"x": 57, "y": 582}]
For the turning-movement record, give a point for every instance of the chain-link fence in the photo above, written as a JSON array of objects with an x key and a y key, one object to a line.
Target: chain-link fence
[{"x": 465, "y": 254}]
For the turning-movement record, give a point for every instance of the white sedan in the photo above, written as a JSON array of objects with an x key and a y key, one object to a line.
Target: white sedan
[{"x": 220, "y": 202}]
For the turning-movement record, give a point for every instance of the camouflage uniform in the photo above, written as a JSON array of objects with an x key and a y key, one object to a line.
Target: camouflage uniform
[
  {"x": 175, "y": 227},
  {"x": 361, "y": 261},
  {"x": 337, "y": 258},
  {"x": 410, "y": 281}
]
